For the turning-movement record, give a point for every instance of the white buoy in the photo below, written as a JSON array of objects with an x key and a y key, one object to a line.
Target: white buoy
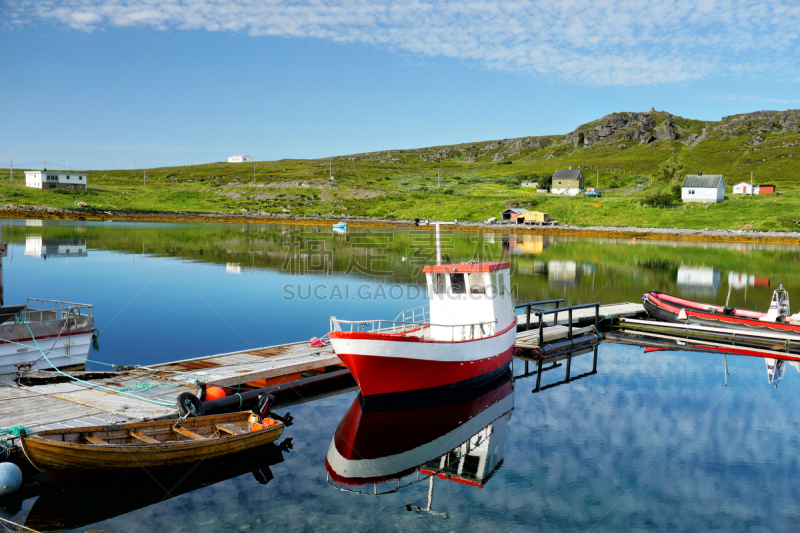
[
  {"x": 682, "y": 315},
  {"x": 10, "y": 478}
]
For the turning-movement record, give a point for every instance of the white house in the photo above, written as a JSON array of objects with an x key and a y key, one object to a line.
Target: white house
[
  {"x": 240, "y": 159},
  {"x": 743, "y": 187},
  {"x": 700, "y": 188},
  {"x": 47, "y": 179}
]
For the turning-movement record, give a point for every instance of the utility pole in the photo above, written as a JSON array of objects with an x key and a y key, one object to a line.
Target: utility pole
[
  {"x": 254, "y": 171},
  {"x": 11, "y": 176},
  {"x": 751, "y": 183},
  {"x": 438, "y": 179},
  {"x": 145, "y": 178},
  {"x": 134, "y": 167}
]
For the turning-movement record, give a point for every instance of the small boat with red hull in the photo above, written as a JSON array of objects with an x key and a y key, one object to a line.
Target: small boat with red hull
[
  {"x": 463, "y": 337},
  {"x": 668, "y": 308}
]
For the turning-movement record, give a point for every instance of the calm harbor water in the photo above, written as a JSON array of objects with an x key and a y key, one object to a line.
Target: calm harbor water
[{"x": 652, "y": 441}]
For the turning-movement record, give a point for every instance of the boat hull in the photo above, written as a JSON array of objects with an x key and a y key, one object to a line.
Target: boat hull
[
  {"x": 65, "y": 344},
  {"x": 667, "y": 308},
  {"x": 391, "y": 368},
  {"x": 69, "y": 457}
]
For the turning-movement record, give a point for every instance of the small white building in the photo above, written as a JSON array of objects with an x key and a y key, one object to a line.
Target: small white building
[
  {"x": 240, "y": 159},
  {"x": 743, "y": 187},
  {"x": 47, "y": 179},
  {"x": 699, "y": 188}
]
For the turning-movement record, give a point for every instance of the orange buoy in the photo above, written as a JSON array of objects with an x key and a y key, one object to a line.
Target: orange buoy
[
  {"x": 256, "y": 426},
  {"x": 214, "y": 393},
  {"x": 268, "y": 422},
  {"x": 634, "y": 239}
]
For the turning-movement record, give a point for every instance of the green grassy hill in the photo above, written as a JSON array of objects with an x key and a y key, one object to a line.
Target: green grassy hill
[{"x": 475, "y": 181}]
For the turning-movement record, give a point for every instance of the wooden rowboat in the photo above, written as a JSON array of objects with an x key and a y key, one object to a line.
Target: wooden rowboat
[{"x": 145, "y": 445}]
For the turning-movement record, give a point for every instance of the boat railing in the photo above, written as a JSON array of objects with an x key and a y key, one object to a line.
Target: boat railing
[
  {"x": 420, "y": 313},
  {"x": 458, "y": 332},
  {"x": 40, "y": 310}
]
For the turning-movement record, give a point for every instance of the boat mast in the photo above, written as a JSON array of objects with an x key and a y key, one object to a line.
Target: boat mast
[
  {"x": 438, "y": 243},
  {"x": 439, "y": 240}
]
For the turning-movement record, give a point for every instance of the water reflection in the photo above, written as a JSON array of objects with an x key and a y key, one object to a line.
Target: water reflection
[
  {"x": 694, "y": 282},
  {"x": 37, "y": 246},
  {"x": 462, "y": 441}
]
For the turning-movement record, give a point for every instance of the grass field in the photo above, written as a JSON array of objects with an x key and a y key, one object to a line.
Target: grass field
[{"x": 402, "y": 185}]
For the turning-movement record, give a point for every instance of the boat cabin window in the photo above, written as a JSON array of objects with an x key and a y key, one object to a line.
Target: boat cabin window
[
  {"x": 457, "y": 285},
  {"x": 476, "y": 285},
  {"x": 438, "y": 283},
  {"x": 499, "y": 283}
]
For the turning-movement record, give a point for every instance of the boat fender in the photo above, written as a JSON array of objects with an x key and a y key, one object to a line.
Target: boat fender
[
  {"x": 10, "y": 478},
  {"x": 190, "y": 405},
  {"x": 644, "y": 297},
  {"x": 213, "y": 393}
]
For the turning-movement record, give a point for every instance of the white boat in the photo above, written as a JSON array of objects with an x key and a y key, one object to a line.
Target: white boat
[
  {"x": 63, "y": 331},
  {"x": 464, "y": 336},
  {"x": 340, "y": 226}
]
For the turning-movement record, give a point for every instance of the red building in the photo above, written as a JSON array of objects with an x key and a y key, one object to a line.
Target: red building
[{"x": 765, "y": 189}]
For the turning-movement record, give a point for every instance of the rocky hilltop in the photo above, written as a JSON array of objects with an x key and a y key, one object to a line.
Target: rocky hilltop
[{"x": 612, "y": 132}]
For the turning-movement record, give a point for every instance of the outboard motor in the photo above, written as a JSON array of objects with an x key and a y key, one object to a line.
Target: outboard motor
[{"x": 779, "y": 307}]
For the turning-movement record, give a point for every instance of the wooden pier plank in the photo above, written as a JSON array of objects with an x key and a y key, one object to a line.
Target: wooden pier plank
[{"x": 530, "y": 338}]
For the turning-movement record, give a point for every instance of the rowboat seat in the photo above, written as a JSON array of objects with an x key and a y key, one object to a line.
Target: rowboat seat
[
  {"x": 186, "y": 433},
  {"x": 235, "y": 428},
  {"x": 142, "y": 437},
  {"x": 91, "y": 438}
]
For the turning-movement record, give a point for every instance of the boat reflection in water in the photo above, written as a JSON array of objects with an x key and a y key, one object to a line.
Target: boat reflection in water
[
  {"x": 776, "y": 368},
  {"x": 462, "y": 440},
  {"x": 88, "y": 500}
]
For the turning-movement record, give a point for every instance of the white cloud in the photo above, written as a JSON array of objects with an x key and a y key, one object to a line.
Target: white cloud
[
  {"x": 601, "y": 42},
  {"x": 749, "y": 98}
]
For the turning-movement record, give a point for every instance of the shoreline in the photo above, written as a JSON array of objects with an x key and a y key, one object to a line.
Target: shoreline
[{"x": 615, "y": 232}]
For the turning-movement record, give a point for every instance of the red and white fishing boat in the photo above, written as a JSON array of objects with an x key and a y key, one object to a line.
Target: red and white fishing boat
[
  {"x": 670, "y": 308},
  {"x": 464, "y": 336}
]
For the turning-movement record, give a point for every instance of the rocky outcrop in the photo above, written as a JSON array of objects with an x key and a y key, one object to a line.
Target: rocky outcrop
[
  {"x": 756, "y": 125},
  {"x": 635, "y": 128}
]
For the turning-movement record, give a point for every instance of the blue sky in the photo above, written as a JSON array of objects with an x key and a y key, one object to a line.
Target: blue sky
[{"x": 98, "y": 83}]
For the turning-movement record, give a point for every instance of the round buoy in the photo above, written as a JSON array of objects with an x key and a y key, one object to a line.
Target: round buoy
[
  {"x": 256, "y": 426},
  {"x": 634, "y": 239},
  {"x": 10, "y": 478},
  {"x": 214, "y": 393}
]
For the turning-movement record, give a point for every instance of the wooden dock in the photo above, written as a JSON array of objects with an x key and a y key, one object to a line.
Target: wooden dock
[
  {"x": 530, "y": 338},
  {"x": 73, "y": 404},
  {"x": 60, "y": 403},
  {"x": 607, "y": 312}
]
